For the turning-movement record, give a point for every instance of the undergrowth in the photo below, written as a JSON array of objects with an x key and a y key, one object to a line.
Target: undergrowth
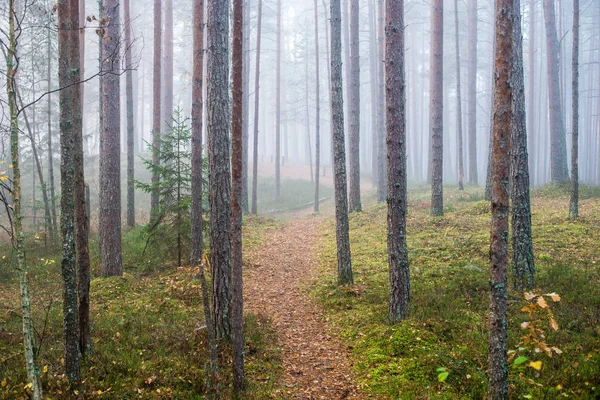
[{"x": 447, "y": 326}]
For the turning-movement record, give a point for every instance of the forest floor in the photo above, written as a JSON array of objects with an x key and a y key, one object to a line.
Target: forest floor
[{"x": 315, "y": 364}]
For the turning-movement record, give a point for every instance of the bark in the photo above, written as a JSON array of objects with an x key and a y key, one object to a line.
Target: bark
[
  {"x": 33, "y": 372},
  {"x": 472, "y": 89},
  {"x": 523, "y": 260},
  {"x": 396, "y": 159},
  {"x": 531, "y": 90},
  {"x": 70, "y": 124},
  {"x": 237, "y": 133},
  {"x": 156, "y": 104},
  {"x": 256, "y": 110},
  {"x": 110, "y": 172},
  {"x": 574, "y": 201},
  {"x": 197, "y": 108},
  {"x": 373, "y": 86},
  {"x": 355, "y": 204},
  {"x": 218, "y": 126},
  {"x": 246, "y": 108},
  {"x": 382, "y": 151},
  {"x": 130, "y": 110},
  {"x": 49, "y": 139},
  {"x": 81, "y": 203},
  {"x": 437, "y": 108},
  {"x": 317, "y": 110},
  {"x": 558, "y": 145},
  {"x": 278, "y": 108},
  {"x": 167, "y": 71},
  {"x": 337, "y": 106},
  {"x": 497, "y": 322},
  {"x": 461, "y": 168}
]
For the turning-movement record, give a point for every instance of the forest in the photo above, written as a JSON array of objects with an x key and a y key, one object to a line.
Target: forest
[{"x": 300, "y": 199}]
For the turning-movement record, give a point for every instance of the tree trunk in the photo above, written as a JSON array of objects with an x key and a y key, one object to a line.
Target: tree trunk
[
  {"x": 246, "y": 108},
  {"x": 354, "y": 78},
  {"x": 156, "y": 104},
  {"x": 373, "y": 86},
  {"x": 256, "y": 109},
  {"x": 381, "y": 133},
  {"x": 167, "y": 71},
  {"x": 574, "y": 201},
  {"x": 278, "y": 108},
  {"x": 396, "y": 144},
  {"x": 237, "y": 165},
  {"x": 472, "y": 89},
  {"x": 437, "y": 108},
  {"x": 33, "y": 372},
  {"x": 558, "y": 147},
  {"x": 218, "y": 127},
  {"x": 337, "y": 106},
  {"x": 317, "y": 110},
  {"x": 531, "y": 128},
  {"x": 53, "y": 227},
  {"x": 70, "y": 128},
  {"x": 497, "y": 322},
  {"x": 461, "y": 168},
  {"x": 130, "y": 127},
  {"x": 523, "y": 260},
  {"x": 110, "y": 172},
  {"x": 197, "y": 108}
]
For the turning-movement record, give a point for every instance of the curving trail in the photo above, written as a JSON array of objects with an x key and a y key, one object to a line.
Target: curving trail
[{"x": 316, "y": 365}]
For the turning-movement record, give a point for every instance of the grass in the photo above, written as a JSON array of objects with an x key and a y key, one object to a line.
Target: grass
[
  {"x": 147, "y": 326},
  {"x": 447, "y": 327}
]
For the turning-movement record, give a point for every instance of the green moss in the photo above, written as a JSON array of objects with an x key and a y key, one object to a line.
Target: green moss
[{"x": 447, "y": 327}]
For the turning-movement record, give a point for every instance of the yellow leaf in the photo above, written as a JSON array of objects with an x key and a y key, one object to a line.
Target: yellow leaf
[
  {"x": 537, "y": 365},
  {"x": 555, "y": 297},
  {"x": 3, "y": 178},
  {"x": 4, "y": 383},
  {"x": 553, "y": 324},
  {"x": 99, "y": 392},
  {"x": 45, "y": 369},
  {"x": 530, "y": 296},
  {"x": 28, "y": 386},
  {"x": 541, "y": 302},
  {"x": 10, "y": 166}
]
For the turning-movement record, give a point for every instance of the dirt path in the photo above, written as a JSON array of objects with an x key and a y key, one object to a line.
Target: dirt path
[{"x": 316, "y": 365}]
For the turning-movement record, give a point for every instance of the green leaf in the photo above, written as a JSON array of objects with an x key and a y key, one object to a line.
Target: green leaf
[
  {"x": 527, "y": 396},
  {"x": 520, "y": 360},
  {"x": 441, "y": 369},
  {"x": 443, "y": 376}
]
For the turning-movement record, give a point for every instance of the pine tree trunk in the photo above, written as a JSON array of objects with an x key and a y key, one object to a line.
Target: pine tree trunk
[
  {"x": 218, "y": 127},
  {"x": 373, "y": 86},
  {"x": 437, "y": 108},
  {"x": 497, "y": 322},
  {"x": 237, "y": 137},
  {"x": 70, "y": 127},
  {"x": 531, "y": 128},
  {"x": 317, "y": 110},
  {"x": 130, "y": 108},
  {"x": 167, "y": 71},
  {"x": 574, "y": 201},
  {"x": 254, "y": 210},
  {"x": 354, "y": 78},
  {"x": 337, "y": 106},
  {"x": 110, "y": 172},
  {"x": 246, "y": 109},
  {"x": 53, "y": 227},
  {"x": 278, "y": 108},
  {"x": 396, "y": 144},
  {"x": 156, "y": 104},
  {"x": 472, "y": 89},
  {"x": 381, "y": 133},
  {"x": 523, "y": 260},
  {"x": 558, "y": 147},
  {"x": 33, "y": 372},
  {"x": 197, "y": 108},
  {"x": 461, "y": 168}
]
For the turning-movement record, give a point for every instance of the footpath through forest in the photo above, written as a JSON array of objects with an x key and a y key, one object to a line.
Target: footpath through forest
[{"x": 315, "y": 364}]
